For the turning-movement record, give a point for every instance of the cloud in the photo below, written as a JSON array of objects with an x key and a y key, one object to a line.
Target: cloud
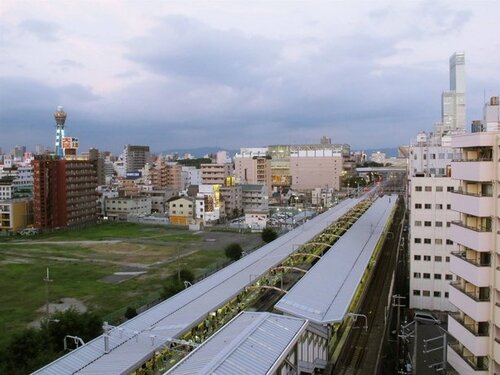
[
  {"x": 182, "y": 46},
  {"x": 66, "y": 64},
  {"x": 43, "y": 30}
]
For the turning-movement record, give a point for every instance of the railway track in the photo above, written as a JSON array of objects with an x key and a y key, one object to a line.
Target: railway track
[{"x": 359, "y": 349}]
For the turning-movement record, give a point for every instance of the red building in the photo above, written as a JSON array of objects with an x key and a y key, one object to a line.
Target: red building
[{"x": 64, "y": 192}]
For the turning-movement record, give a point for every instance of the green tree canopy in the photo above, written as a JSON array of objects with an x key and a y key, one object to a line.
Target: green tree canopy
[
  {"x": 268, "y": 235},
  {"x": 233, "y": 251}
]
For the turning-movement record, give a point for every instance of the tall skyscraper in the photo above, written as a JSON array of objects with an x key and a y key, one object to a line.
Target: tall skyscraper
[
  {"x": 453, "y": 101},
  {"x": 60, "y": 117}
]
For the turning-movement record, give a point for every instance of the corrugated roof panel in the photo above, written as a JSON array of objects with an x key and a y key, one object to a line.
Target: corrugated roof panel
[{"x": 324, "y": 294}]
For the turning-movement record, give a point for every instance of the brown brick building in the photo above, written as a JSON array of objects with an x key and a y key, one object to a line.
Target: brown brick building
[{"x": 64, "y": 192}]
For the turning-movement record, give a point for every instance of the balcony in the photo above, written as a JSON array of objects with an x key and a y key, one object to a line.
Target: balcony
[
  {"x": 477, "y": 343},
  {"x": 496, "y": 351},
  {"x": 471, "y": 270},
  {"x": 497, "y": 315},
  {"x": 477, "y": 309},
  {"x": 473, "y": 238},
  {"x": 472, "y": 170},
  {"x": 464, "y": 365},
  {"x": 472, "y": 204}
]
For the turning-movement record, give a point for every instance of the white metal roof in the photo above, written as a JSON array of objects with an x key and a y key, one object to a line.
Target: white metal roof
[
  {"x": 131, "y": 343},
  {"x": 324, "y": 294},
  {"x": 252, "y": 343}
]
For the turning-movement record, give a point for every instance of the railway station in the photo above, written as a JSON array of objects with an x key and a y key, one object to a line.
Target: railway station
[{"x": 159, "y": 338}]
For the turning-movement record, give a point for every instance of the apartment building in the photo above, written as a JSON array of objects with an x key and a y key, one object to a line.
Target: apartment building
[
  {"x": 135, "y": 157},
  {"x": 253, "y": 166},
  {"x": 15, "y": 214},
  {"x": 215, "y": 174},
  {"x": 181, "y": 210},
  {"x": 476, "y": 292}
]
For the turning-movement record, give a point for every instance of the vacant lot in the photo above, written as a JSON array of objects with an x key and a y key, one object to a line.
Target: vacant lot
[{"x": 82, "y": 261}]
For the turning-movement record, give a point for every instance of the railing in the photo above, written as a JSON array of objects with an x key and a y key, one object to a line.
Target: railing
[
  {"x": 471, "y": 327},
  {"x": 481, "y": 228},
  {"x": 457, "y": 285},
  {"x": 463, "y": 192},
  {"x": 462, "y": 255},
  {"x": 469, "y": 359}
]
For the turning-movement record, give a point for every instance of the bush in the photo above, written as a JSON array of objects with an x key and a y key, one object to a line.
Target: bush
[
  {"x": 268, "y": 235},
  {"x": 171, "y": 288},
  {"x": 186, "y": 275},
  {"x": 130, "y": 312},
  {"x": 233, "y": 251}
]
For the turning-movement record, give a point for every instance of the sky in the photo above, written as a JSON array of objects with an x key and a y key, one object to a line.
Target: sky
[{"x": 230, "y": 74}]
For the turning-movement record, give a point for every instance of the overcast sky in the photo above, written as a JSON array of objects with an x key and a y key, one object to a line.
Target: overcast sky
[{"x": 231, "y": 74}]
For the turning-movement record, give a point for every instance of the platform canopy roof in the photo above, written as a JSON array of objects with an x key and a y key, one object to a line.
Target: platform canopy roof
[
  {"x": 252, "y": 343},
  {"x": 324, "y": 294},
  {"x": 134, "y": 341}
]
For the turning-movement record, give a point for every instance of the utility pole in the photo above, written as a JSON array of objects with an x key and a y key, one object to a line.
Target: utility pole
[
  {"x": 47, "y": 281},
  {"x": 396, "y": 302}
]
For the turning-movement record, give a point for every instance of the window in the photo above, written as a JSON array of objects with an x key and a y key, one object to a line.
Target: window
[
  {"x": 448, "y": 206},
  {"x": 445, "y": 294},
  {"x": 418, "y": 223},
  {"x": 416, "y": 292},
  {"x": 447, "y": 259},
  {"x": 449, "y": 276},
  {"x": 427, "y": 275},
  {"x": 174, "y": 205},
  {"x": 427, "y": 223},
  {"x": 427, "y": 206},
  {"x": 418, "y": 188},
  {"x": 181, "y": 205},
  {"x": 439, "y": 206},
  {"x": 449, "y": 188},
  {"x": 441, "y": 155},
  {"x": 448, "y": 224},
  {"x": 416, "y": 257},
  {"x": 428, "y": 188},
  {"x": 438, "y": 258},
  {"x": 438, "y": 241},
  {"x": 437, "y": 294},
  {"x": 433, "y": 156},
  {"x": 427, "y": 240},
  {"x": 418, "y": 240},
  {"x": 416, "y": 275},
  {"x": 418, "y": 205},
  {"x": 439, "y": 223},
  {"x": 439, "y": 189},
  {"x": 449, "y": 242},
  {"x": 426, "y": 293},
  {"x": 437, "y": 276},
  {"x": 427, "y": 258}
]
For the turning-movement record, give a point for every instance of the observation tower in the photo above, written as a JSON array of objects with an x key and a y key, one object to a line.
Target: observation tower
[{"x": 60, "y": 117}]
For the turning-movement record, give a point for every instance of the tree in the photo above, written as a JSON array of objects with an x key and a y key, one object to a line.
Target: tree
[
  {"x": 268, "y": 235},
  {"x": 233, "y": 251},
  {"x": 186, "y": 275},
  {"x": 171, "y": 287},
  {"x": 130, "y": 313}
]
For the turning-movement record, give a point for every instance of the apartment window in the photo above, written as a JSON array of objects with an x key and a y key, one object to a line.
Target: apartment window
[
  {"x": 416, "y": 275},
  {"x": 427, "y": 258},
  {"x": 428, "y": 188},
  {"x": 416, "y": 257},
  {"x": 449, "y": 276},
  {"x": 418, "y": 188},
  {"x": 427, "y": 223},
  {"x": 427, "y": 240},
  {"x": 447, "y": 259},
  {"x": 418, "y": 223},
  {"x": 418, "y": 240},
  {"x": 181, "y": 205},
  {"x": 448, "y": 224},
  {"x": 449, "y": 188},
  {"x": 439, "y": 189},
  {"x": 438, "y": 258},
  {"x": 426, "y": 293},
  {"x": 437, "y": 276},
  {"x": 416, "y": 292},
  {"x": 174, "y": 205},
  {"x": 445, "y": 294},
  {"x": 449, "y": 242},
  {"x": 441, "y": 155},
  {"x": 448, "y": 206},
  {"x": 427, "y": 206},
  {"x": 438, "y": 241},
  {"x": 437, "y": 294},
  {"x": 418, "y": 205},
  {"x": 439, "y": 206},
  {"x": 427, "y": 275},
  {"x": 433, "y": 156},
  {"x": 439, "y": 223}
]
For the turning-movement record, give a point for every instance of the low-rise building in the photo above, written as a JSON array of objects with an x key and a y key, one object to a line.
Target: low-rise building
[
  {"x": 181, "y": 210},
  {"x": 15, "y": 214},
  {"x": 254, "y": 197},
  {"x": 118, "y": 208}
]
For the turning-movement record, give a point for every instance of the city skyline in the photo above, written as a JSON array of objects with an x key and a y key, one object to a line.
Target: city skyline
[{"x": 178, "y": 75}]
